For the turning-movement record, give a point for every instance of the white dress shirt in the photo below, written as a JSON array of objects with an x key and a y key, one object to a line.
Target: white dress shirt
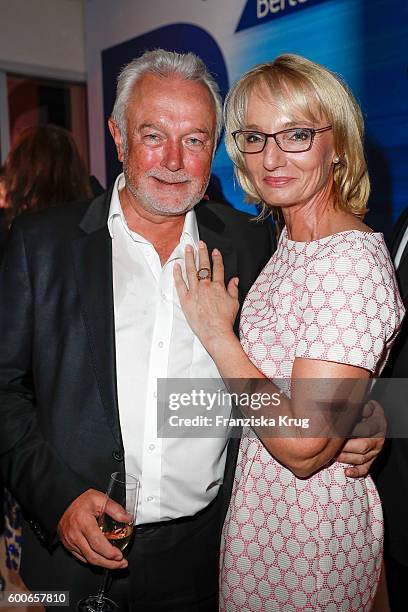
[{"x": 153, "y": 340}]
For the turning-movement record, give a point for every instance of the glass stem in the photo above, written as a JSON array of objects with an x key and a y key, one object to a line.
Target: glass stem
[{"x": 102, "y": 590}]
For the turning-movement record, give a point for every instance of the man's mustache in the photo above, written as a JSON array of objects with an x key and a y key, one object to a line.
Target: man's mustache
[{"x": 169, "y": 177}]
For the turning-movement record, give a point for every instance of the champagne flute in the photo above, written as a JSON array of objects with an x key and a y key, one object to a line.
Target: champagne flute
[{"x": 123, "y": 489}]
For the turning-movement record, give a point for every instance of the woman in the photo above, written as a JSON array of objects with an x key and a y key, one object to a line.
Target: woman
[
  {"x": 44, "y": 169},
  {"x": 299, "y": 535}
]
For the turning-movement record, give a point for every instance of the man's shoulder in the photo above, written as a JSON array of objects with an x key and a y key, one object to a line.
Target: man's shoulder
[
  {"x": 52, "y": 217},
  {"x": 403, "y": 216},
  {"x": 225, "y": 211},
  {"x": 252, "y": 240},
  {"x": 398, "y": 228},
  {"x": 62, "y": 220},
  {"x": 232, "y": 218}
]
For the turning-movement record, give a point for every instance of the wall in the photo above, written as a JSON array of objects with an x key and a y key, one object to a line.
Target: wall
[{"x": 43, "y": 38}]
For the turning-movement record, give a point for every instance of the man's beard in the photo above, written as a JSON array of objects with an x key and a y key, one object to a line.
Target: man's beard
[{"x": 153, "y": 204}]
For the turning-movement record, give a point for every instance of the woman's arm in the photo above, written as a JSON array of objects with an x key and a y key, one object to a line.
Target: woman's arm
[{"x": 210, "y": 309}]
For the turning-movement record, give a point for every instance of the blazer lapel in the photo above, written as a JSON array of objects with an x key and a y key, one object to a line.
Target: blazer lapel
[
  {"x": 398, "y": 233},
  {"x": 92, "y": 255},
  {"x": 402, "y": 278},
  {"x": 212, "y": 231}
]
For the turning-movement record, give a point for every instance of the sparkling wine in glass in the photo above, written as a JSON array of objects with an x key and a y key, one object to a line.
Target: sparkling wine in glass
[
  {"x": 119, "y": 535},
  {"x": 123, "y": 489}
]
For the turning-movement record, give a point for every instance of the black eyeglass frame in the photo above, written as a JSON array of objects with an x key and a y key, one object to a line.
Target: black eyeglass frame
[{"x": 311, "y": 130}]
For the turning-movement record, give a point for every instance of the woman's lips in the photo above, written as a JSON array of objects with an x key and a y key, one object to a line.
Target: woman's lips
[{"x": 277, "y": 181}]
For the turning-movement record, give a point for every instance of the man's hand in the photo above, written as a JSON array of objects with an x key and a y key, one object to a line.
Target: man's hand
[
  {"x": 367, "y": 442},
  {"x": 80, "y": 534}
]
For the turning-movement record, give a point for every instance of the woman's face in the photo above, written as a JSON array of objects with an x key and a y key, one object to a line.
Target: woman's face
[{"x": 287, "y": 179}]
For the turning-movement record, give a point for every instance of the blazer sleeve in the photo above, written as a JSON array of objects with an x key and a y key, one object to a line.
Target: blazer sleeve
[{"x": 43, "y": 485}]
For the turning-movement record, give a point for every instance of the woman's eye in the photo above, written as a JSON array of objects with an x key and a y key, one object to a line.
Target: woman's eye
[
  {"x": 254, "y": 138},
  {"x": 299, "y": 135}
]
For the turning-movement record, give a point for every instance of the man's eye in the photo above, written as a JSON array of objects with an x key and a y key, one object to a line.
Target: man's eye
[
  {"x": 152, "y": 139},
  {"x": 299, "y": 135},
  {"x": 194, "y": 142}
]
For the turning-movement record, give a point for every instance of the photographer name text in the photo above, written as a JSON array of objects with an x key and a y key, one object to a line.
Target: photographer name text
[{"x": 251, "y": 421}]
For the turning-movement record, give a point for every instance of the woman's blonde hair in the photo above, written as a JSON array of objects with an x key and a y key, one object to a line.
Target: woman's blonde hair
[{"x": 303, "y": 89}]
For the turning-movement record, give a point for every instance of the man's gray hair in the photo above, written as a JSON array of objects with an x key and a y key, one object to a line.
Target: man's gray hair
[{"x": 164, "y": 64}]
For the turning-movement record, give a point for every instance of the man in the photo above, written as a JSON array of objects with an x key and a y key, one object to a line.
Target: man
[
  {"x": 89, "y": 321},
  {"x": 391, "y": 472}
]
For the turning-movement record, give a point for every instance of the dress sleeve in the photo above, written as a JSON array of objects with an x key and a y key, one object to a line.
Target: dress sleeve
[{"x": 350, "y": 308}]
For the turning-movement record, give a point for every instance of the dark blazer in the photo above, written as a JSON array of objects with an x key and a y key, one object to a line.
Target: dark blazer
[
  {"x": 390, "y": 471},
  {"x": 60, "y": 431}
]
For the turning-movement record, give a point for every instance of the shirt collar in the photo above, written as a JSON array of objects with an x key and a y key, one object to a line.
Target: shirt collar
[
  {"x": 115, "y": 209},
  {"x": 189, "y": 235}
]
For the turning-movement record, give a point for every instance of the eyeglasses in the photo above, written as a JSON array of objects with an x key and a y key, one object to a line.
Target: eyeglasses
[{"x": 294, "y": 140}]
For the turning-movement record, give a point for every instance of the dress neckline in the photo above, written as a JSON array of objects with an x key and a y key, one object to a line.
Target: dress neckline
[{"x": 330, "y": 236}]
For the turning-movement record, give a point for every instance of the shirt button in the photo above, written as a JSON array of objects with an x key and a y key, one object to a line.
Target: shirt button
[
  {"x": 160, "y": 344},
  {"x": 154, "y": 394},
  {"x": 164, "y": 296},
  {"x": 150, "y": 498},
  {"x": 151, "y": 447}
]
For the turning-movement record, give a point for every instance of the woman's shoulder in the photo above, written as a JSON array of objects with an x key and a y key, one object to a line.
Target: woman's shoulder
[
  {"x": 353, "y": 262},
  {"x": 354, "y": 244}
]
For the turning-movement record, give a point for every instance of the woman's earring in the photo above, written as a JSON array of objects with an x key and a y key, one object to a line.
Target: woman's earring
[{"x": 336, "y": 160}]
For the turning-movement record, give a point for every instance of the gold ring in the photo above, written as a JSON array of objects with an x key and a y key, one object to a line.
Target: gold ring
[{"x": 203, "y": 274}]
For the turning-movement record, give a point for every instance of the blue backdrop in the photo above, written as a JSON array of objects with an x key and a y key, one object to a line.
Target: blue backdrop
[{"x": 366, "y": 41}]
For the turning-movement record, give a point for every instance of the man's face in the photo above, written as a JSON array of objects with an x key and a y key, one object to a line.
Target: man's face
[{"x": 170, "y": 142}]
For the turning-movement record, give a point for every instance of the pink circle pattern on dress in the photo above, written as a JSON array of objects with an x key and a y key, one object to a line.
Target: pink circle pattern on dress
[{"x": 311, "y": 544}]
